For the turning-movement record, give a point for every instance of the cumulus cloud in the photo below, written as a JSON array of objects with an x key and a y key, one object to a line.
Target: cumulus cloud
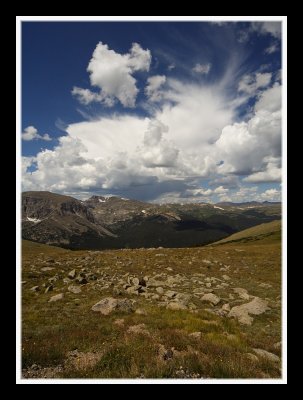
[
  {"x": 271, "y": 195},
  {"x": 31, "y": 133},
  {"x": 251, "y": 83},
  {"x": 152, "y": 90},
  {"x": 112, "y": 73},
  {"x": 202, "y": 68},
  {"x": 272, "y": 28},
  {"x": 272, "y": 173}
]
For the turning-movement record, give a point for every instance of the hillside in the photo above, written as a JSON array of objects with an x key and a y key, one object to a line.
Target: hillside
[
  {"x": 211, "y": 312},
  {"x": 113, "y": 222},
  {"x": 267, "y": 231}
]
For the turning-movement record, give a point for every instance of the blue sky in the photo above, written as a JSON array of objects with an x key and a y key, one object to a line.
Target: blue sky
[{"x": 159, "y": 111}]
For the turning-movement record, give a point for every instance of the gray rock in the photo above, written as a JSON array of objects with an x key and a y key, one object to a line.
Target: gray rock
[
  {"x": 56, "y": 297},
  {"x": 226, "y": 307},
  {"x": 252, "y": 357},
  {"x": 195, "y": 335},
  {"x": 278, "y": 345},
  {"x": 135, "y": 281},
  {"x": 208, "y": 285},
  {"x": 110, "y": 304},
  {"x": 170, "y": 294},
  {"x": 81, "y": 280},
  {"x": 211, "y": 298},
  {"x": 267, "y": 355},
  {"x": 160, "y": 290},
  {"x": 242, "y": 313},
  {"x": 226, "y": 277},
  {"x": 265, "y": 285},
  {"x": 242, "y": 293},
  {"x": 140, "y": 311},
  {"x": 74, "y": 289},
  {"x": 45, "y": 269},
  {"x": 35, "y": 289},
  {"x": 72, "y": 274},
  {"x": 49, "y": 288},
  {"x": 175, "y": 306}
]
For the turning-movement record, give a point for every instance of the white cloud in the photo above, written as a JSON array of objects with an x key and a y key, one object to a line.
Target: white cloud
[
  {"x": 270, "y": 100},
  {"x": 251, "y": 83},
  {"x": 268, "y": 27},
  {"x": 272, "y": 48},
  {"x": 31, "y": 133},
  {"x": 198, "y": 192},
  {"x": 273, "y": 172},
  {"x": 220, "y": 190},
  {"x": 112, "y": 72},
  {"x": 152, "y": 90},
  {"x": 271, "y": 195},
  {"x": 202, "y": 68}
]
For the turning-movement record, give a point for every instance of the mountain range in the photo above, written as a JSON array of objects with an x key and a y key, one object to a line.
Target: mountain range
[{"x": 113, "y": 222}]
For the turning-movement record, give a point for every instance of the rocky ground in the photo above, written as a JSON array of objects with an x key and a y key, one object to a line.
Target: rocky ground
[{"x": 211, "y": 312}]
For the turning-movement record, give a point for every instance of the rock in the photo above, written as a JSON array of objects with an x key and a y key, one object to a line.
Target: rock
[
  {"x": 155, "y": 297},
  {"x": 72, "y": 274},
  {"x": 169, "y": 269},
  {"x": 242, "y": 293},
  {"x": 153, "y": 283},
  {"x": 117, "y": 291},
  {"x": 206, "y": 261},
  {"x": 45, "y": 269},
  {"x": 226, "y": 277},
  {"x": 110, "y": 304},
  {"x": 170, "y": 294},
  {"x": 195, "y": 335},
  {"x": 74, "y": 289},
  {"x": 256, "y": 307},
  {"x": 138, "y": 329},
  {"x": 175, "y": 306},
  {"x": 265, "y": 285},
  {"x": 81, "y": 280},
  {"x": 278, "y": 345},
  {"x": 211, "y": 298},
  {"x": 225, "y": 307},
  {"x": 135, "y": 281},
  {"x": 140, "y": 311},
  {"x": 49, "y": 288},
  {"x": 165, "y": 354},
  {"x": 35, "y": 289},
  {"x": 208, "y": 285},
  {"x": 252, "y": 357},
  {"x": 56, "y": 297},
  {"x": 119, "y": 322},
  {"x": 267, "y": 355},
  {"x": 160, "y": 290}
]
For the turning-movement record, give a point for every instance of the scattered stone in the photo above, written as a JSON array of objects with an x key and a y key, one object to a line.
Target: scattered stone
[
  {"x": 165, "y": 354},
  {"x": 72, "y": 274},
  {"x": 211, "y": 298},
  {"x": 140, "y": 311},
  {"x": 267, "y": 355},
  {"x": 155, "y": 297},
  {"x": 110, "y": 304},
  {"x": 256, "y": 307},
  {"x": 265, "y": 285},
  {"x": 226, "y": 307},
  {"x": 45, "y": 269},
  {"x": 81, "y": 361},
  {"x": 252, "y": 357},
  {"x": 160, "y": 290},
  {"x": 242, "y": 293},
  {"x": 195, "y": 335},
  {"x": 138, "y": 329},
  {"x": 117, "y": 291},
  {"x": 135, "y": 281},
  {"x": 169, "y": 269},
  {"x": 56, "y": 297},
  {"x": 170, "y": 294},
  {"x": 278, "y": 345},
  {"x": 226, "y": 277},
  {"x": 35, "y": 289},
  {"x": 206, "y": 261},
  {"x": 81, "y": 280},
  {"x": 119, "y": 322},
  {"x": 74, "y": 289},
  {"x": 49, "y": 288}
]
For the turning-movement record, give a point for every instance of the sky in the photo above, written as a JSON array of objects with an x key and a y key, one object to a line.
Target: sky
[{"x": 156, "y": 111}]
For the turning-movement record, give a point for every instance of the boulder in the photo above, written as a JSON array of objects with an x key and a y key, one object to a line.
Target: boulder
[
  {"x": 211, "y": 298},
  {"x": 56, "y": 297},
  {"x": 72, "y": 274},
  {"x": 110, "y": 304},
  {"x": 267, "y": 355},
  {"x": 175, "y": 306},
  {"x": 242, "y": 293},
  {"x": 74, "y": 289},
  {"x": 242, "y": 313}
]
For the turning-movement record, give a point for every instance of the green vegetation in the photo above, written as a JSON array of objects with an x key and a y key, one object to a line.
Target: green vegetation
[{"x": 66, "y": 339}]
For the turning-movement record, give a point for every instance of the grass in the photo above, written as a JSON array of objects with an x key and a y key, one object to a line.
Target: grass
[{"x": 51, "y": 330}]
